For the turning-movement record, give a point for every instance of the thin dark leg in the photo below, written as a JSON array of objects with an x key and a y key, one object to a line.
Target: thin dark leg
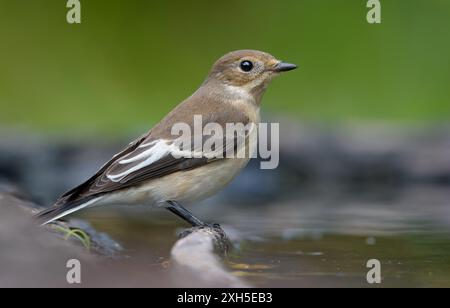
[{"x": 181, "y": 212}]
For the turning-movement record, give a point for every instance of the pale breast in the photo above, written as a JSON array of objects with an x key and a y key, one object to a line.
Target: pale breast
[
  {"x": 200, "y": 183},
  {"x": 191, "y": 185}
]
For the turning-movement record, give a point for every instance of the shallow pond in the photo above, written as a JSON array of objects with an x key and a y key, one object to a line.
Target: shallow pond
[{"x": 322, "y": 238}]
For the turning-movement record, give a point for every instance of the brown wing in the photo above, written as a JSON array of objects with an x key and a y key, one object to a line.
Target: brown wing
[{"x": 145, "y": 159}]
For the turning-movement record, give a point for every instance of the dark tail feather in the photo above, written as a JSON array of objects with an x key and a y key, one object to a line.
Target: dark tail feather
[{"x": 59, "y": 211}]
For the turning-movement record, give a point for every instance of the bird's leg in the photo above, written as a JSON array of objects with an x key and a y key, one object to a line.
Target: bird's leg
[
  {"x": 181, "y": 212},
  {"x": 220, "y": 238}
]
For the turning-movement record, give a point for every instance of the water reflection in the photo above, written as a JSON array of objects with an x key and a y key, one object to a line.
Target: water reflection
[{"x": 316, "y": 238}]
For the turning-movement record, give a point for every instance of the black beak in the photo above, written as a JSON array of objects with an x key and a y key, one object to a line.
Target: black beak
[{"x": 285, "y": 67}]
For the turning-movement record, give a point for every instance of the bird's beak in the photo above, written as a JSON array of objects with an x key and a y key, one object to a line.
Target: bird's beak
[{"x": 284, "y": 67}]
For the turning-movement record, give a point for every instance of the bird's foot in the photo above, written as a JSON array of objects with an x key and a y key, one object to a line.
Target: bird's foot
[
  {"x": 215, "y": 227},
  {"x": 211, "y": 226},
  {"x": 212, "y": 230}
]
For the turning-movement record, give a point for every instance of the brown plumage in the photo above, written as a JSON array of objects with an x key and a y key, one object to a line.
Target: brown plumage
[{"x": 230, "y": 94}]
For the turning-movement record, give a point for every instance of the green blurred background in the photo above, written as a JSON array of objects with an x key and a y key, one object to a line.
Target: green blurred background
[{"x": 130, "y": 62}]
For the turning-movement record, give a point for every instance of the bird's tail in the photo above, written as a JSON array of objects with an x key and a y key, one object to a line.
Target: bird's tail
[{"x": 59, "y": 211}]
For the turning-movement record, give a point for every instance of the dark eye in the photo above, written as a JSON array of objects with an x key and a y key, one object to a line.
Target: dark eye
[{"x": 246, "y": 66}]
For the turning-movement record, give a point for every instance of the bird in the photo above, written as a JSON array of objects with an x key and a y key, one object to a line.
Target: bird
[{"x": 147, "y": 171}]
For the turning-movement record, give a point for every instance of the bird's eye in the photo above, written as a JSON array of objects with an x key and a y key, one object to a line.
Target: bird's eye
[{"x": 246, "y": 66}]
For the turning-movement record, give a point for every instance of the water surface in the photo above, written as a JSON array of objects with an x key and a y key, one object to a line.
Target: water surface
[{"x": 322, "y": 238}]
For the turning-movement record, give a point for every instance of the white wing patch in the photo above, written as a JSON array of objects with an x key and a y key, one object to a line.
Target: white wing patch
[
  {"x": 157, "y": 150},
  {"x": 149, "y": 153}
]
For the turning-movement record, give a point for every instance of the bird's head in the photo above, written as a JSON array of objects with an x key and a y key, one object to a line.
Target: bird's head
[{"x": 248, "y": 72}]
